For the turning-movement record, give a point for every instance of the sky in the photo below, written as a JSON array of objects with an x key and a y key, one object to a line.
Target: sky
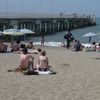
[{"x": 51, "y": 6}]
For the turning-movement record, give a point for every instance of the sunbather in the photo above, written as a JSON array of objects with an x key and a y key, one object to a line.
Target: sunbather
[
  {"x": 43, "y": 63},
  {"x": 3, "y": 47},
  {"x": 93, "y": 46},
  {"x": 25, "y": 61},
  {"x": 98, "y": 48},
  {"x": 15, "y": 46}
]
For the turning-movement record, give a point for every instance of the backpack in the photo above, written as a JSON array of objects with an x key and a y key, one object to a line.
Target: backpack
[{"x": 65, "y": 36}]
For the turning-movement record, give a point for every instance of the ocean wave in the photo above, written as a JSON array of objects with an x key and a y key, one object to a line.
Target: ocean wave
[{"x": 55, "y": 44}]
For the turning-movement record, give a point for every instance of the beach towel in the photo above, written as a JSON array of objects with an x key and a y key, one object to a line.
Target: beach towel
[
  {"x": 46, "y": 72},
  {"x": 36, "y": 72}
]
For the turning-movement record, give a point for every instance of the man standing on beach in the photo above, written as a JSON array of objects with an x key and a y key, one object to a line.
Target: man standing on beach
[{"x": 68, "y": 36}]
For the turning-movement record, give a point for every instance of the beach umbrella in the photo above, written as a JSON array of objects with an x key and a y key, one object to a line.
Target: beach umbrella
[
  {"x": 89, "y": 35},
  {"x": 12, "y": 32},
  {"x": 27, "y": 31}
]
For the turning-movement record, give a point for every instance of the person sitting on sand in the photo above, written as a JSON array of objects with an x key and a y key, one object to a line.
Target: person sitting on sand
[
  {"x": 25, "y": 61},
  {"x": 78, "y": 46},
  {"x": 15, "y": 46},
  {"x": 98, "y": 48},
  {"x": 43, "y": 63},
  {"x": 3, "y": 47},
  {"x": 74, "y": 43},
  {"x": 93, "y": 46}
]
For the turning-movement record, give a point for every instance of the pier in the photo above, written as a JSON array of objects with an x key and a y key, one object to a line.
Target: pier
[{"x": 45, "y": 23}]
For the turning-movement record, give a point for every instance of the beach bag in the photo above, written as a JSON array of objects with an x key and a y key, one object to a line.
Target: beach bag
[{"x": 65, "y": 36}]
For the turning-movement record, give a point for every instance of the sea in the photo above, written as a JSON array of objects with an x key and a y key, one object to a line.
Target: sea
[{"x": 56, "y": 39}]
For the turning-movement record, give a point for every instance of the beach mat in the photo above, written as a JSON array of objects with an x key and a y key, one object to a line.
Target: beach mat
[{"x": 39, "y": 73}]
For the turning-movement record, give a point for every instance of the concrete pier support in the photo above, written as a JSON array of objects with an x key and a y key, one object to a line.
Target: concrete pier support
[
  {"x": 14, "y": 24},
  {"x": 54, "y": 25},
  {"x": 45, "y": 27},
  {"x": 58, "y": 26},
  {"x": 4, "y": 27}
]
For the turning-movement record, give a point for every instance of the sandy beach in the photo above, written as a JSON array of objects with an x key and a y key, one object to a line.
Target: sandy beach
[{"x": 77, "y": 78}]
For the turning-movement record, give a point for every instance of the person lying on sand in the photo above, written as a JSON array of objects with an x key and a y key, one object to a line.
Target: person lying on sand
[{"x": 35, "y": 51}]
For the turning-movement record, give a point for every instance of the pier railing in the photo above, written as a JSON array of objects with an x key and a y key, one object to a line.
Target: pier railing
[
  {"x": 45, "y": 23},
  {"x": 41, "y": 15}
]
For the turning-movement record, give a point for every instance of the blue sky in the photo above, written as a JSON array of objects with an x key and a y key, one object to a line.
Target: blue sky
[{"x": 51, "y": 6}]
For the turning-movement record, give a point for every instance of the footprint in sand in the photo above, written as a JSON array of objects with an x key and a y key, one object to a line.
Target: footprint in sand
[{"x": 64, "y": 65}]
